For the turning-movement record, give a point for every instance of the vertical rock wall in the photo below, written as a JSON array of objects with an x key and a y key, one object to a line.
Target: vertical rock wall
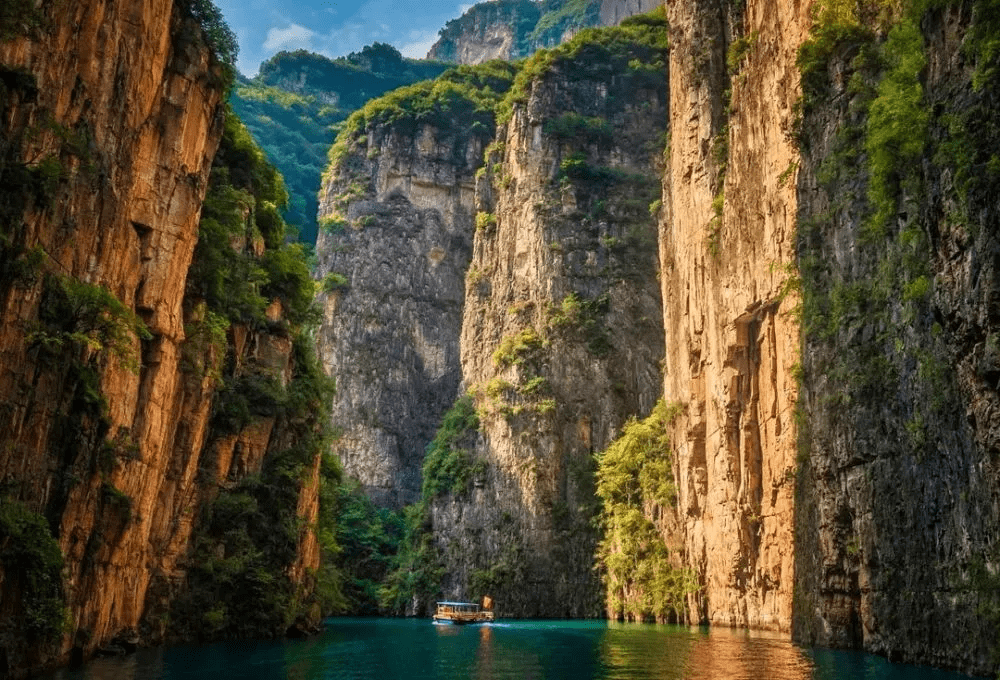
[
  {"x": 726, "y": 256},
  {"x": 115, "y": 109},
  {"x": 399, "y": 216},
  {"x": 897, "y": 517},
  {"x": 561, "y": 339}
]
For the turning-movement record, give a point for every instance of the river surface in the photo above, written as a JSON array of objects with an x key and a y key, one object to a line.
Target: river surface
[{"x": 411, "y": 649}]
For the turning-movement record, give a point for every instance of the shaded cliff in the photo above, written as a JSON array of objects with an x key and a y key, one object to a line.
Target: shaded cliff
[
  {"x": 397, "y": 217},
  {"x": 539, "y": 268},
  {"x": 896, "y": 504},
  {"x": 109, "y": 364},
  {"x": 513, "y": 29}
]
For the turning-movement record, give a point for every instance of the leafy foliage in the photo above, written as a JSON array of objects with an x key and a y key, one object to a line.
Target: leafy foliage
[
  {"x": 466, "y": 94},
  {"x": 368, "y": 539},
  {"x": 220, "y": 38},
  {"x": 78, "y": 315},
  {"x": 296, "y": 129},
  {"x": 448, "y": 466},
  {"x": 897, "y": 121},
  {"x": 635, "y": 52},
  {"x": 32, "y": 564},
  {"x": 633, "y": 475},
  {"x": 240, "y": 208}
]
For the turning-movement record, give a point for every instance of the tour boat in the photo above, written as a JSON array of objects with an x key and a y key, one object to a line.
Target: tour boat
[{"x": 464, "y": 612}]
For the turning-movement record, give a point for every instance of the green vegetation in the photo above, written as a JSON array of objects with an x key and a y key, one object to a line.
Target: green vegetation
[
  {"x": 558, "y": 16},
  {"x": 465, "y": 93},
  {"x": 516, "y": 349},
  {"x": 334, "y": 281},
  {"x": 633, "y": 476},
  {"x": 897, "y": 122},
  {"x": 367, "y": 539},
  {"x": 76, "y": 316},
  {"x": 32, "y": 565},
  {"x": 448, "y": 464},
  {"x": 635, "y": 52},
  {"x": 241, "y": 206},
  {"x": 738, "y": 51},
  {"x": 485, "y": 220},
  {"x": 582, "y": 318},
  {"x": 220, "y": 38},
  {"x": 296, "y": 129}
]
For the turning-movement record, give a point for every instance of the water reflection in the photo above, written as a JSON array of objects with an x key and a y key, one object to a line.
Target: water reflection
[
  {"x": 391, "y": 649},
  {"x": 744, "y": 655}
]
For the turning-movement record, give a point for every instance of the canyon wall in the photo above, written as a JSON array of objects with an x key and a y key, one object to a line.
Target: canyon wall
[
  {"x": 561, "y": 339},
  {"x": 726, "y": 252},
  {"x": 514, "y": 29},
  {"x": 397, "y": 218},
  {"x": 112, "y": 113},
  {"x": 896, "y": 505}
]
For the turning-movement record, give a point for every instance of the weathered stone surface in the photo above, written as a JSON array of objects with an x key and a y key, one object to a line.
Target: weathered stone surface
[
  {"x": 897, "y": 518},
  {"x": 525, "y": 530},
  {"x": 731, "y": 340},
  {"x": 390, "y": 335},
  {"x": 128, "y": 107},
  {"x": 510, "y": 29}
]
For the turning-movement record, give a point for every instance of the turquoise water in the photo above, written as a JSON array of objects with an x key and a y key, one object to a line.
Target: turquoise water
[{"x": 391, "y": 649}]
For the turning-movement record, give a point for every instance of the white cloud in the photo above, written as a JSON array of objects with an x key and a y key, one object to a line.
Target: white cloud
[
  {"x": 292, "y": 37},
  {"x": 418, "y": 44}
]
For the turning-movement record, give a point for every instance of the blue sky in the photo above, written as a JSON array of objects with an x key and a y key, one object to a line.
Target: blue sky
[{"x": 334, "y": 27}]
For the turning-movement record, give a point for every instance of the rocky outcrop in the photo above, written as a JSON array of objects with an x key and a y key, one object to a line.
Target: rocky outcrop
[
  {"x": 513, "y": 29},
  {"x": 112, "y": 114},
  {"x": 561, "y": 339},
  {"x": 488, "y": 30},
  {"x": 726, "y": 255},
  {"x": 398, "y": 217},
  {"x": 896, "y": 505}
]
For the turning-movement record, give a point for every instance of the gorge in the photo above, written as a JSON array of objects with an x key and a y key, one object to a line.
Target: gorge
[{"x": 692, "y": 317}]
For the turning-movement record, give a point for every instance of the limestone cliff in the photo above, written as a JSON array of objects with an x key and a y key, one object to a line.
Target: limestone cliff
[
  {"x": 513, "y": 29},
  {"x": 111, "y": 117},
  {"x": 726, "y": 254},
  {"x": 896, "y": 525},
  {"x": 561, "y": 340},
  {"x": 397, "y": 217}
]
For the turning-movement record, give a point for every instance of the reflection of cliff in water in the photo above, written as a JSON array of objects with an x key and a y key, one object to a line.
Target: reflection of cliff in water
[{"x": 738, "y": 654}]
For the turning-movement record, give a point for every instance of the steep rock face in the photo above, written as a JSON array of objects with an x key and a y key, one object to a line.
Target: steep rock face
[
  {"x": 513, "y": 29},
  {"x": 488, "y": 30},
  {"x": 401, "y": 209},
  {"x": 111, "y": 118},
  {"x": 613, "y": 12},
  {"x": 897, "y": 517},
  {"x": 124, "y": 215},
  {"x": 561, "y": 339},
  {"x": 726, "y": 243}
]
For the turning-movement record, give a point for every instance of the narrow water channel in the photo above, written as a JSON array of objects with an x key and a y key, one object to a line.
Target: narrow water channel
[{"x": 391, "y": 649}]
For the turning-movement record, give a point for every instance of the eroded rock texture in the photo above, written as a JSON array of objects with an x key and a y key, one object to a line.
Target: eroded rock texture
[
  {"x": 400, "y": 218},
  {"x": 111, "y": 114},
  {"x": 561, "y": 339},
  {"x": 896, "y": 528},
  {"x": 726, "y": 252}
]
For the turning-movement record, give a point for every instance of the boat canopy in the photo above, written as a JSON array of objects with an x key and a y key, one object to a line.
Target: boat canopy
[{"x": 459, "y": 604}]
